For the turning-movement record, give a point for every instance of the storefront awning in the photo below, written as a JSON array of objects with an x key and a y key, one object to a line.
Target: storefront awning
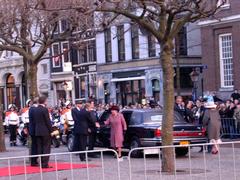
[{"x": 128, "y": 79}]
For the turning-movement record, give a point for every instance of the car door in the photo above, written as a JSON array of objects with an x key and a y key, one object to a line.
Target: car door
[
  {"x": 127, "y": 116},
  {"x": 103, "y": 135}
]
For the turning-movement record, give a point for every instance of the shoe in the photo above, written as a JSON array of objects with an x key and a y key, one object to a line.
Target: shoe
[
  {"x": 46, "y": 166},
  {"x": 34, "y": 165}
]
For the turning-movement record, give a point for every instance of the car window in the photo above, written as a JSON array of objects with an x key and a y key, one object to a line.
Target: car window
[
  {"x": 152, "y": 117},
  {"x": 104, "y": 116},
  {"x": 127, "y": 116},
  {"x": 136, "y": 118}
]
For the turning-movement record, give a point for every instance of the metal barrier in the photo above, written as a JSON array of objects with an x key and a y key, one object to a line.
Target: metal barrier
[
  {"x": 195, "y": 165},
  {"x": 101, "y": 167},
  {"x": 230, "y": 128}
]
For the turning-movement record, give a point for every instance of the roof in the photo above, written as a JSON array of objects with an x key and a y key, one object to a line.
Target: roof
[{"x": 143, "y": 110}]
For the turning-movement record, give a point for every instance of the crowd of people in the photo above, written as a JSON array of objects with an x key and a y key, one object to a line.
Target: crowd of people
[{"x": 84, "y": 116}]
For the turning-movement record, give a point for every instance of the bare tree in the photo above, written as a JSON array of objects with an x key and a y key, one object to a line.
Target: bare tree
[
  {"x": 163, "y": 19},
  {"x": 29, "y": 30},
  {"x": 2, "y": 137}
]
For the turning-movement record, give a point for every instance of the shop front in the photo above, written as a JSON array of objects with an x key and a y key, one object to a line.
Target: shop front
[{"x": 130, "y": 87}]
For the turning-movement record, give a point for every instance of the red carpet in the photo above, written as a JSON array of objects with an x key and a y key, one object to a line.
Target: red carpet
[{"x": 19, "y": 170}]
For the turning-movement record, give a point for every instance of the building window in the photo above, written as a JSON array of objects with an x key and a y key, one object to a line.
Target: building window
[
  {"x": 64, "y": 25},
  {"x": 108, "y": 45},
  {"x": 9, "y": 53},
  {"x": 44, "y": 68},
  {"x": 151, "y": 46},
  {"x": 182, "y": 42},
  {"x": 226, "y": 60},
  {"x": 55, "y": 28},
  {"x": 91, "y": 51},
  {"x": 121, "y": 43},
  {"x": 87, "y": 53},
  {"x": 135, "y": 41},
  {"x": 82, "y": 86},
  {"x": 65, "y": 51},
  {"x": 56, "y": 55},
  {"x": 82, "y": 56}
]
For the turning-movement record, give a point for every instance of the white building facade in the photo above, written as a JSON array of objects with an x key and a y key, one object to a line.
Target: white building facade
[
  {"x": 128, "y": 67},
  {"x": 12, "y": 79}
]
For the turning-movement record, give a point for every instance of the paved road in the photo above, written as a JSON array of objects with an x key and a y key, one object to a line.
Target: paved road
[{"x": 193, "y": 166}]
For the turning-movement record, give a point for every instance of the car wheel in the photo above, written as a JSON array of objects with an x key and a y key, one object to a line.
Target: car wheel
[
  {"x": 70, "y": 143},
  {"x": 135, "y": 143},
  {"x": 181, "y": 151}
]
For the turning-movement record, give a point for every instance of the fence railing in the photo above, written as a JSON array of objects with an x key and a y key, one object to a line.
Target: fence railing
[
  {"x": 230, "y": 128},
  {"x": 64, "y": 165},
  {"x": 197, "y": 164}
]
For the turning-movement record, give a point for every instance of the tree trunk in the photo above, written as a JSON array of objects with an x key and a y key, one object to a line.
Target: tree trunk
[
  {"x": 32, "y": 77},
  {"x": 177, "y": 49},
  {"x": 2, "y": 136},
  {"x": 168, "y": 154}
]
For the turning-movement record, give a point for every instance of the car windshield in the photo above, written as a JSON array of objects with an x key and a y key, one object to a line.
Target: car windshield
[{"x": 153, "y": 117}]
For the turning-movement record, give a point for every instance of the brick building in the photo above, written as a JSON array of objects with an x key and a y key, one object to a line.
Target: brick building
[{"x": 220, "y": 53}]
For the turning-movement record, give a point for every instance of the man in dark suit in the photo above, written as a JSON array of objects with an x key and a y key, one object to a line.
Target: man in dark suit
[
  {"x": 75, "y": 111},
  {"x": 43, "y": 129},
  {"x": 82, "y": 122},
  {"x": 33, "y": 148},
  {"x": 93, "y": 128}
]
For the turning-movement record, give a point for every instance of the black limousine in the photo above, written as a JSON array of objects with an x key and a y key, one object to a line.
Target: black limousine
[{"x": 144, "y": 130}]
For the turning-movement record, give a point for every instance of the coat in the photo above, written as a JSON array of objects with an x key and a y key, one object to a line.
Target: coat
[
  {"x": 31, "y": 121},
  {"x": 118, "y": 125},
  {"x": 82, "y": 121},
  {"x": 212, "y": 121},
  {"x": 42, "y": 122}
]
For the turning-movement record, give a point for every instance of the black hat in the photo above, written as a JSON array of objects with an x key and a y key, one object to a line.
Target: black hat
[
  {"x": 78, "y": 102},
  {"x": 114, "y": 108}
]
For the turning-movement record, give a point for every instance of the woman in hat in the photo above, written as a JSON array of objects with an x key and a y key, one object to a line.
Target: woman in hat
[
  {"x": 118, "y": 127},
  {"x": 212, "y": 121}
]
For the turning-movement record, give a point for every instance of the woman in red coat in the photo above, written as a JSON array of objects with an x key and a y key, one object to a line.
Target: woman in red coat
[{"x": 118, "y": 127}]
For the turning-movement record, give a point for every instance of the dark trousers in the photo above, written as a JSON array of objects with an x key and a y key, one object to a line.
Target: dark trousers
[
  {"x": 92, "y": 140},
  {"x": 33, "y": 150},
  {"x": 44, "y": 147},
  {"x": 13, "y": 133},
  {"x": 80, "y": 142}
]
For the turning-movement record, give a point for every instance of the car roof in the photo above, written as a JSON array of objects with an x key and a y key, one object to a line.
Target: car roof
[{"x": 142, "y": 110}]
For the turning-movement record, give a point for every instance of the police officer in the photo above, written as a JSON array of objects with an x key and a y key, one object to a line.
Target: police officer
[
  {"x": 12, "y": 121},
  {"x": 25, "y": 113},
  {"x": 66, "y": 118}
]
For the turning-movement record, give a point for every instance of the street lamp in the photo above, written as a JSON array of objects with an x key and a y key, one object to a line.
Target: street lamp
[{"x": 194, "y": 75}]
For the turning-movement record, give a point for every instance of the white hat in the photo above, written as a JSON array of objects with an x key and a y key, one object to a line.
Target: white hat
[
  {"x": 11, "y": 106},
  {"x": 210, "y": 102},
  {"x": 28, "y": 101},
  {"x": 67, "y": 103}
]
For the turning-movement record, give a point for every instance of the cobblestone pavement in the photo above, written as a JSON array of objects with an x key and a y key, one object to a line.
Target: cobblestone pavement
[{"x": 225, "y": 165}]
